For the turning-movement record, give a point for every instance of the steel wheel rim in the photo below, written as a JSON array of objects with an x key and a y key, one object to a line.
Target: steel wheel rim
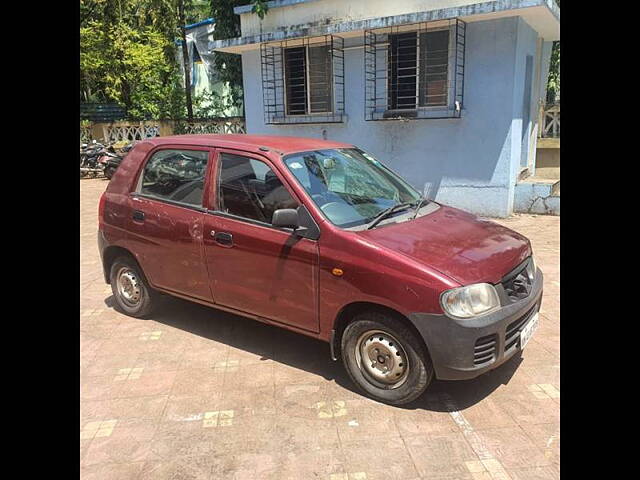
[
  {"x": 382, "y": 359},
  {"x": 128, "y": 286}
]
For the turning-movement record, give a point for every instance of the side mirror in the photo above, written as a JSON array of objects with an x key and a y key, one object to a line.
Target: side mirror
[{"x": 285, "y": 218}]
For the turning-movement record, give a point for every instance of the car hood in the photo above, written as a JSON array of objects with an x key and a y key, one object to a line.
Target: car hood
[{"x": 456, "y": 243}]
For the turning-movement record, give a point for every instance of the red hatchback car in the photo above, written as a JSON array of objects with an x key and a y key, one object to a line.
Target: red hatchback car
[{"x": 320, "y": 238}]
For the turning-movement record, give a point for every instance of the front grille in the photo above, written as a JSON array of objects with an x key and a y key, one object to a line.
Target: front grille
[
  {"x": 485, "y": 349},
  {"x": 517, "y": 284},
  {"x": 512, "y": 334}
]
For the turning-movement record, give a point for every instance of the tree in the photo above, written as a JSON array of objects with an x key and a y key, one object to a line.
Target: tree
[
  {"x": 119, "y": 63},
  {"x": 185, "y": 58},
  {"x": 228, "y": 65},
  {"x": 128, "y": 53},
  {"x": 553, "y": 83}
]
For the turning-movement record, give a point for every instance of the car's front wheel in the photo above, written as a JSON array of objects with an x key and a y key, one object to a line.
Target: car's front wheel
[
  {"x": 385, "y": 359},
  {"x": 130, "y": 289}
]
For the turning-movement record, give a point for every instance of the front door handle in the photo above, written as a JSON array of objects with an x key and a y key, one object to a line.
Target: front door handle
[
  {"x": 138, "y": 216},
  {"x": 224, "y": 239}
]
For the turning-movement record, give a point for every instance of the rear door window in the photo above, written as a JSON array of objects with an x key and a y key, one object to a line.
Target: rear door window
[
  {"x": 250, "y": 189},
  {"x": 176, "y": 176}
]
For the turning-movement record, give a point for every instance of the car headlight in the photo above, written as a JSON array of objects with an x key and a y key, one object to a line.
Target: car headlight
[
  {"x": 531, "y": 269},
  {"x": 470, "y": 301}
]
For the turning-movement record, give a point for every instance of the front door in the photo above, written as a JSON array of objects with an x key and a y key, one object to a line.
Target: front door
[
  {"x": 253, "y": 266},
  {"x": 166, "y": 220}
]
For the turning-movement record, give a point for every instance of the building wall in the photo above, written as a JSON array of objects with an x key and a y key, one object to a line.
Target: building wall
[
  {"x": 469, "y": 162},
  {"x": 523, "y": 143},
  {"x": 337, "y": 10},
  {"x": 537, "y": 198}
]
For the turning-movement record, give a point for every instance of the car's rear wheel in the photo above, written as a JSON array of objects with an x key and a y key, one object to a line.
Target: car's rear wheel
[
  {"x": 385, "y": 359},
  {"x": 130, "y": 289}
]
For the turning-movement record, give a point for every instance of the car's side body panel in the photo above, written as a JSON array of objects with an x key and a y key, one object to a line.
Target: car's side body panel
[
  {"x": 272, "y": 274},
  {"x": 117, "y": 203},
  {"x": 168, "y": 246},
  {"x": 371, "y": 274},
  {"x": 266, "y": 271}
]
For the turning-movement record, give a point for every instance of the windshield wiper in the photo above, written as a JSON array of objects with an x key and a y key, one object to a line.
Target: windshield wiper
[
  {"x": 422, "y": 201},
  {"x": 386, "y": 212}
]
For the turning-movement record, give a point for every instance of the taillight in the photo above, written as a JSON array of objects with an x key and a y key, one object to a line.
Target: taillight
[{"x": 103, "y": 198}]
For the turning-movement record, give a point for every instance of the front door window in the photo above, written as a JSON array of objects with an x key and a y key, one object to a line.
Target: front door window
[{"x": 250, "y": 189}]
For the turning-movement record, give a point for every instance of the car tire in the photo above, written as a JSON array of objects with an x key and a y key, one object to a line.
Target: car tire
[
  {"x": 385, "y": 359},
  {"x": 130, "y": 289}
]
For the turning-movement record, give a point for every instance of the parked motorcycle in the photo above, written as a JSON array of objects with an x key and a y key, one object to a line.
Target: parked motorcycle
[
  {"x": 112, "y": 161},
  {"x": 109, "y": 162},
  {"x": 96, "y": 158},
  {"x": 90, "y": 155}
]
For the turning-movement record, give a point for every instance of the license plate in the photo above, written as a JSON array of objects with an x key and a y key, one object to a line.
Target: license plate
[{"x": 527, "y": 332}]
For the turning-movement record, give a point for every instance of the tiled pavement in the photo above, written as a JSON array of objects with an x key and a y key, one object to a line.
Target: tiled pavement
[{"x": 196, "y": 393}]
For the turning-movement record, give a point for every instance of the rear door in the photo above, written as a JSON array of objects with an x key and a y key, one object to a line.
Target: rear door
[
  {"x": 253, "y": 266},
  {"x": 167, "y": 216}
]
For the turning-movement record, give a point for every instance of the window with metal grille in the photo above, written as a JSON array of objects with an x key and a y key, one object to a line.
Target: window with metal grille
[
  {"x": 303, "y": 80},
  {"x": 415, "y": 71}
]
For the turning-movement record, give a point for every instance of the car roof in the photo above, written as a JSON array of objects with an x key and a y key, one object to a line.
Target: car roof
[{"x": 251, "y": 143}]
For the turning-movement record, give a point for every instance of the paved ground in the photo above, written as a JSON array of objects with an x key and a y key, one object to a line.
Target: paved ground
[{"x": 197, "y": 393}]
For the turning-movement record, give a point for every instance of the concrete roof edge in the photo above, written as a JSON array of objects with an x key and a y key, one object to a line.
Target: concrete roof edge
[
  {"x": 372, "y": 23},
  {"x": 554, "y": 8},
  {"x": 271, "y": 4}
]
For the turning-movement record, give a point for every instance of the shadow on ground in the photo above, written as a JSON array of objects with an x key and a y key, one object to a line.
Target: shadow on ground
[{"x": 311, "y": 355}]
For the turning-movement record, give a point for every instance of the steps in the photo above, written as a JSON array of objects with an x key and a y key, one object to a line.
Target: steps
[{"x": 537, "y": 195}]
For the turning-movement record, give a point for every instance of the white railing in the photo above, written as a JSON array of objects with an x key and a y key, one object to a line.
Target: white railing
[
  {"x": 549, "y": 123},
  {"x": 227, "y": 125},
  {"x": 124, "y": 131},
  {"x": 131, "y": 131}
]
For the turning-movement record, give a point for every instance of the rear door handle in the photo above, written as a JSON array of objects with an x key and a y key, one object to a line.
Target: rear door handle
[
  {"x": 224, "y": 239},
  {"x": 138, "y": 216}
]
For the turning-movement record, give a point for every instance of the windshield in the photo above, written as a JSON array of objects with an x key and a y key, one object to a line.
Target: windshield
[{"x": 349, "y": 185}]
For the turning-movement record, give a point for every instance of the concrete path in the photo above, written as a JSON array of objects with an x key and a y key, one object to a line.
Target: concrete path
[{"x": 194, "y": 393}]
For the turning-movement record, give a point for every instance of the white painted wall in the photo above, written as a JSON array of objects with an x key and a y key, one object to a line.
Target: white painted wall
[{"x": 337, "y": 11}]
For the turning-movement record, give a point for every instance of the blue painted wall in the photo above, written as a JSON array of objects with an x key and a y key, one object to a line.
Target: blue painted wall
[
  {"x": 470, "y": 162},
  {"x": 536, "y": 198}
]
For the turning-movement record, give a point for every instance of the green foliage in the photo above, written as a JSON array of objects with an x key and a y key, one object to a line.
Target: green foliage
[
  {"x": 127, "y": 66},
  {"x": 128, "y": 54},
  {"x": 553, "y": 84},
  {"x": 213, "y": 104},
  {"x": 198, "y": 11},
  {"x": 229, "y": 66},
  {"x": 260, "y": 8}
]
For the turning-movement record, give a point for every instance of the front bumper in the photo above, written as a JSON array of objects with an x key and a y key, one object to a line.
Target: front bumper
[{"x": 463, "y": 349}]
